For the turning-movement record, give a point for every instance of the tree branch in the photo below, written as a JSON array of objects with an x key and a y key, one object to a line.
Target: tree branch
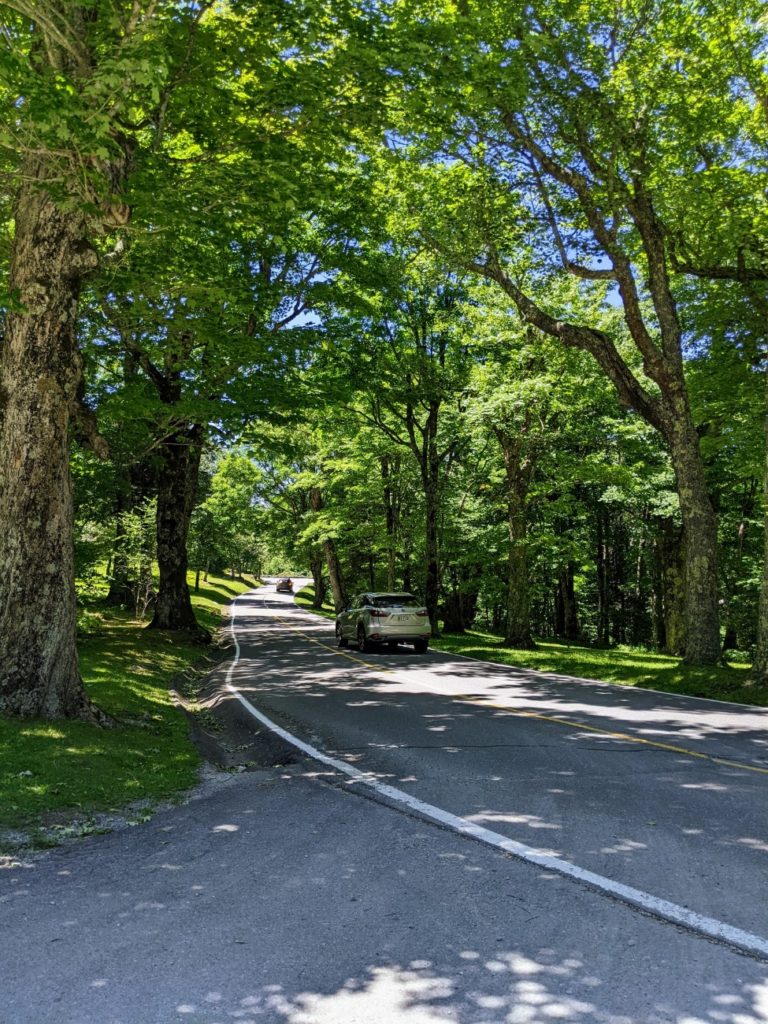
[{"x": 599, "y": 344}]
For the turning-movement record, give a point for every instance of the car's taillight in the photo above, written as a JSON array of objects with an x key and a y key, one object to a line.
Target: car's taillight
[
  {"x": 422, "y": 612},
  {"x": 379, "y": 613}
]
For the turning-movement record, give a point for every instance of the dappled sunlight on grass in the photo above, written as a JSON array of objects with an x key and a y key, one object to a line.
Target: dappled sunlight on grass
[
  {"x": 630, "y": 667},
  {"x": 304, "y": 599},
  {"x": 213, "y": 595},
  {"x": 42, "y": 729},
  {"x": 47, "y": 768}
]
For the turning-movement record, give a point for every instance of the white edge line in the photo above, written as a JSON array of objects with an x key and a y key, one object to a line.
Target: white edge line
[{"x": 757, "y": 945}]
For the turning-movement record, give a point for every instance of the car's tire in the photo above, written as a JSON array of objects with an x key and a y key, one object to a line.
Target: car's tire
[
  {"x": 420, "y": 646},
  {"x": 341, "y": 641},
  {"x": 363, "y": 643}
]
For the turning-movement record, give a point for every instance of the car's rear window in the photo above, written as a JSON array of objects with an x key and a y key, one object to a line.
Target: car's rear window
[{"x": 396, "y": 601}]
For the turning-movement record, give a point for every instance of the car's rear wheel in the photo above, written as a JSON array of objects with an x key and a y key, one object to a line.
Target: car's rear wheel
[
  {"x": 420, "y": 646},
  {"x": 363, "y": 643},
  {"x": 341, "y": 641}
]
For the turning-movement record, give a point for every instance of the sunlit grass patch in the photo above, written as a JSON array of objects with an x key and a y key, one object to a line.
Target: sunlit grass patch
[
  {"x": 306, "y": 596},
  {"x": 214, "y": 595},
  {"x": 628, "y": 666},
  {"x": 51, "y": 768}
]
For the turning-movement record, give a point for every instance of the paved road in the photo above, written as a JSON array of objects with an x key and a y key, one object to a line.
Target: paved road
[
  {"x": 665, "y": 793},
  {"x": 287, "y": 896}
]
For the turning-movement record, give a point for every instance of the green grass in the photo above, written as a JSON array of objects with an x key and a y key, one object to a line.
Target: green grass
[
  {"x": 306, "y": 596},
  {"x": 50, "y": 769},
  {"x": 628, "y": 666}
]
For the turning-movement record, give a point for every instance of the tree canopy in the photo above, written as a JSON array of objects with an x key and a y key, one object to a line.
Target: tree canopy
[{"x": 459, "y": 297}]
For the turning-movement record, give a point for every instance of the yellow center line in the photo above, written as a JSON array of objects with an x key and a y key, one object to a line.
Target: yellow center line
[
  {"x": 477, "y": 699},
  {"x": 335, "y": 650},
  {"x": 471, "y": 699}
]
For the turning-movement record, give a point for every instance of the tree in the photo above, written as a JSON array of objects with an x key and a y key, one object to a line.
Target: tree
[
  {"x": 83, "y": 78},
  {"x": 408, "y": 365},
  {"x": 225, "y": 525},
  {"x": 526, "y": 393},
  {"x": 565, "y": 136},
  {"x": 112, "y": 99}
]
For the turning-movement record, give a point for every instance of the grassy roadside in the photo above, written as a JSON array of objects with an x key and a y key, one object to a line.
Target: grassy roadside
[
  {"x": 304, "y": 599},
  {"x": 53, "y": 772},
  {"x": 627, "y": 666}
]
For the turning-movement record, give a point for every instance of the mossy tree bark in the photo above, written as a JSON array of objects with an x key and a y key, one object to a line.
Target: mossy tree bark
[
  {"x": 40, "y": 371},
  {"x": 702, "y": 618}
]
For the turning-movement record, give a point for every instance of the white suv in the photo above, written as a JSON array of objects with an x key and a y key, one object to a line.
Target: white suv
[{"x": 373, "y": 619}]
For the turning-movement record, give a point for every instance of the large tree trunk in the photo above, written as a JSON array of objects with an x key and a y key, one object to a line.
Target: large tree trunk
[
  {"x": 40, "y": 370},
  {"x": 318, "y": 580},
  {"x": 702, "y": 620},
  {"x": 334, "y": 574},
  {"x": 331, "y": 558},
  {"x": 452, "y": 610},
  {"x": 518, "y": 632},
  {"x": 566, "y": 607},
  {"x": 175, "y": 500}
]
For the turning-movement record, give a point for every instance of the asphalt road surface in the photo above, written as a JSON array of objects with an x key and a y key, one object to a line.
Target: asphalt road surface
[{"x": 373, "y": 883}]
